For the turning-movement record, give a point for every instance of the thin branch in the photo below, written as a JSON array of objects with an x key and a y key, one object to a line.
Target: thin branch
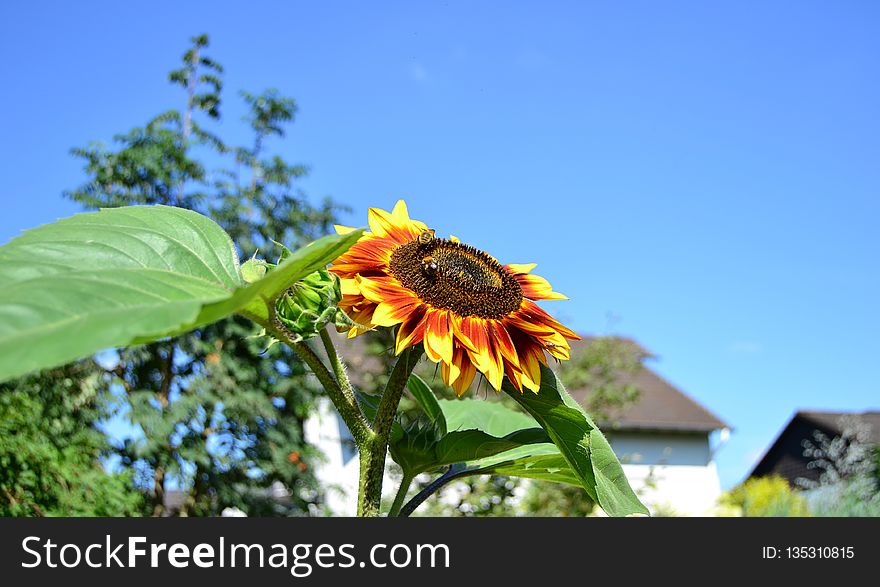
[
  {"x": 452, "y": 473},
  {"x": 401, "y": 495},
  {"x": 339, "y": 369},
  {"x": 349, "y": 410}
]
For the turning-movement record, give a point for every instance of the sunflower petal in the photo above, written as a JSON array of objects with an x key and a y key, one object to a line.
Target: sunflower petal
[
  {"x": 520, "y": 268},
  {"x": 452, "y": 369},
  {"x": 514, "y": 376},
  {"x": 348, "y": 286},
  {"x": 475, "y": 330},
  {"x": 465, "y": 377},
  {"x": 343, "y": 229},
  {"x": 400, "y": 212},
  {"x": 495, "y": 372},
  {"x": 412, "y": 331},
  {"x": 392, "y": 312},
  {"x": 501, "y": 339},
  {"x": 536, "y": 287},
  {"x": 438, "y": 336}
]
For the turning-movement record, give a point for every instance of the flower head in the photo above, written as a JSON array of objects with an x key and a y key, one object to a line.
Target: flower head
[{"x": 471, "y": 312}]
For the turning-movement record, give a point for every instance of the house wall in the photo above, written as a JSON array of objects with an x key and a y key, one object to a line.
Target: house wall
[{"x": 673, "y": 473}]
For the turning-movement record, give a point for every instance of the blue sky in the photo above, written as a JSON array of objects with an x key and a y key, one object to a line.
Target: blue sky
[{"x": 700, "y": 176}]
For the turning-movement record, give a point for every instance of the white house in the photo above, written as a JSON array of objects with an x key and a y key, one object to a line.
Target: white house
[{"x": 666, "y": 442}]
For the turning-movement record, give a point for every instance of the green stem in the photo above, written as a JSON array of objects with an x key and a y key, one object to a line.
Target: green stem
[
  {"x": 338, "y": 369},
  {"x": 401, "y": 494},
  {"x": 372, "y": 464},
  {"x": 347, "y": 406},
  {"x": 454, "y": 472}
]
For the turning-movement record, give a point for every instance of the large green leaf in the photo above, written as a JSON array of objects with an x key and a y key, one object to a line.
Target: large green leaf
[
  {"x": 478, "y": 429},
  {"x": 581, "y": 444},
  {"x": 127, "y": 275},
  {"x": 492, "y": 417},
  {"x": 537, "y": 461}
]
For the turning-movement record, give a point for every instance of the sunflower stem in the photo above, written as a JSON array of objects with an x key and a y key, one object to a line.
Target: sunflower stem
[
  {"x": 372, "y": 463},
  {"x": 339, "y": 370},
  {"x": 401, "y": 494},
  {"x": 347, "y": 407}
]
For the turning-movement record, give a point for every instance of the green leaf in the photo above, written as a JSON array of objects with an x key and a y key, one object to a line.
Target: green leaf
[
  {"x": 537, "y": 461},
  {"x": 492, "y": 417},
  {"x": 479, "y": 429},
  {"x": 581, "y": 444},
  {"x": 301, "y": 263},
  {"x": 127, "y": 275},
  {"x": 427, "y": 401}
]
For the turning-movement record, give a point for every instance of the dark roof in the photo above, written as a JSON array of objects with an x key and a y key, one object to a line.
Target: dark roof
[
  {"x": 660, "y": 406},
  {"x": 785, "y": 457},
  {"x": 834, "y": 421}
]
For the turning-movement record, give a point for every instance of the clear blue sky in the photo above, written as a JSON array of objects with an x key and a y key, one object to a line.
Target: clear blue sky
[{"x": 707, "y": 173}]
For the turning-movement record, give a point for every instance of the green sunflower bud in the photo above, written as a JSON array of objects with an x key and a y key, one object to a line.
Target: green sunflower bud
[
  {"x": 253, "y": 270},
  {"x": 312, "y": 303}
]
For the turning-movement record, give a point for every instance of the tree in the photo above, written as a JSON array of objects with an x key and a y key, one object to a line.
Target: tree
[
  {"x": 221, "y": 416},
  {"x": 849, "y": 485},
  {"x": 51, "y": 448}
]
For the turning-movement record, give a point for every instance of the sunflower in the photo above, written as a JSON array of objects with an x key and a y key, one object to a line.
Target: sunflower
[{"x": 471, "y": 312}]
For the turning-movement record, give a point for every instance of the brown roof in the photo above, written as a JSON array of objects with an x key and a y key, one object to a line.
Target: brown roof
[{"x": 660, "y": 406}]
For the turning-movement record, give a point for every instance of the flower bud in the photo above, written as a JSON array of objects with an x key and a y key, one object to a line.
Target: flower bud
[{"x": 310, "y": 304}]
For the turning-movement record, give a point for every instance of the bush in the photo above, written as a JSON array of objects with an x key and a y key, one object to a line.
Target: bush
[{"x": 766, "y": 497}]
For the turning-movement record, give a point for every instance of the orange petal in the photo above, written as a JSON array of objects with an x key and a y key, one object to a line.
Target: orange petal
[
  {"x": 495, "y": 371},
  {"x": 460, "y": 330},
  {"x": 412, "y": 331},
  {"x": 535, "y": 287},
  {"x": 466, "y": 375},
  {"x": 501, "y": 339},
  {"x": 382, "y": 288},
  {"x": 531, "y": 356},
  {"x": 452, "y": 370},
  {"x": 514, "y": 376},
  {"x": 394, "y": 311},
  {"x": 438, "y": 336},
  {"x": 534, "y": 311},
  {"x": 475, "y": 337}
]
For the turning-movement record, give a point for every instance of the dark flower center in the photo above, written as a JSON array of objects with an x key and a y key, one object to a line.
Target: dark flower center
[{"x": 457, "y": 277}]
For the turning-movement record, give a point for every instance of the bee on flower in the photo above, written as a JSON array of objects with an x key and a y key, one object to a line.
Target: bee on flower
[{"x": 470, "y": 312}]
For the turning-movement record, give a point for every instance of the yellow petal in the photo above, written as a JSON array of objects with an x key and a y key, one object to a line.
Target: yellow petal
[
  {"x": 464, "y": 380},
  {"x": 400, "y": 212},
  {"x": 454, "y": 238},
  {"x": 381, "y": 222},
  {"x": 495, "y": 373},
  {"x": 521, "y": 267},
  {"x": 450, "y": 371},
  {"x": 387, "y": 314},
  {"x": 438, "y": 337},
  {"x": 349, "y": 287},
  {"x": 343, "y": 229}
]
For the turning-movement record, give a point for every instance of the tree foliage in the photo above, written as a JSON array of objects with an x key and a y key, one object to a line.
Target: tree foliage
[
  {"x": 51, "y": 447},
  {"x": 214, "y": 413}
]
